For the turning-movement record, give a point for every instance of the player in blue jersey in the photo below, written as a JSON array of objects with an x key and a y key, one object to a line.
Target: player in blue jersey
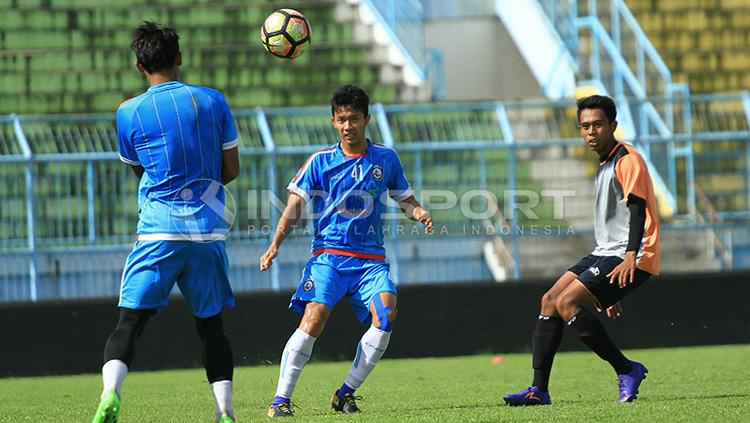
[
  {"x": 181, "y": 142},
  {"x": 348, "y": 184}
]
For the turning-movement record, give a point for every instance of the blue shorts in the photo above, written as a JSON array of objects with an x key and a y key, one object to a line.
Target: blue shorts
[
  {"x": 329, "y": 277},
  {"x": 198, "y": 268}
]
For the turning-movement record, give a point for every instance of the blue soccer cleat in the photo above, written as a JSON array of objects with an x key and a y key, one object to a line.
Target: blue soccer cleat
[
  {"x": 529, "y": 396},
  {"x": 629, "y": 383}
]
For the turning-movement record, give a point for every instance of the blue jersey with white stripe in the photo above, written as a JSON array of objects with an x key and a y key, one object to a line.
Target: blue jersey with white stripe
[
  {"x": 349, "y": 197},
  {"x": 177, "y": 132}
]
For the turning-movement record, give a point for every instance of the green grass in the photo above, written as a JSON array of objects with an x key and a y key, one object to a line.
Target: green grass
[{"x": 684, "y": 384}]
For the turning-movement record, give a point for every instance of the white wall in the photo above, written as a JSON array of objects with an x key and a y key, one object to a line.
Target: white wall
[{"x": 481, "y": 61}]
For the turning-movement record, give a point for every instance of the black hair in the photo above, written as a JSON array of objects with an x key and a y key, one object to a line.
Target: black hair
[
  {"x": 350, "y": 95},
  {"x": 156, "y": 46},
  {"x": 602, "y": 102}
]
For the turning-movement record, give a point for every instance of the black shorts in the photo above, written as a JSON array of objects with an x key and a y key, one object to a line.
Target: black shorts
[{"x": 593, "y": 270}]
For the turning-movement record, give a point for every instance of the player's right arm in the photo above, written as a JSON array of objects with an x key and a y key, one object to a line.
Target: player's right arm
[
  {"x": 301, "y": 188},
  {"x": 287, "y": 222},
  {"x": 125, "y": 145}
]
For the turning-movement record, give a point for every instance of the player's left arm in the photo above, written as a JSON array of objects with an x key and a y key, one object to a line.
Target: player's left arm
[
  {"x": 414, "y": 211},
  {"x": 230, "y": 165},
  {"x": 632, "y": 173},
  {"x": 138, "y": 170},
  {"x": 230, "y": 158},
  {"x": 401, "y": 191}
]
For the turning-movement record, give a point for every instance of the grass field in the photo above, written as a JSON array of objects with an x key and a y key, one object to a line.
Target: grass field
[{"x": 684, "y": 384}]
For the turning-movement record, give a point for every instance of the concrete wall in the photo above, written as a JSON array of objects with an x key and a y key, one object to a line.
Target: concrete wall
[
  {"x": 481, "y": 61},
  {"x": 434, "y": 320}
]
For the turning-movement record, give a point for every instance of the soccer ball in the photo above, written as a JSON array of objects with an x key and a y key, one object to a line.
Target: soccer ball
[{"x": 285, "y": 33}]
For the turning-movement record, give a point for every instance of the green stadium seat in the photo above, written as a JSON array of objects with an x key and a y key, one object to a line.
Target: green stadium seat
[{"x": 56, "y": 43}]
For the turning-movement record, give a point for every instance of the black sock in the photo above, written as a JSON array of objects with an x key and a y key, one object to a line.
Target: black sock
[
  {"x": 217, "y": 351},
  {"x": 544, "y": 343},
  {"x": 592, "y": 333}
]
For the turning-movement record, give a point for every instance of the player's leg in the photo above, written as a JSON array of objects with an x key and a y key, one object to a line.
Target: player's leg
[
  {"x": 118, "y": 355},
  {"x": 206, "y": 294},
  {"x": 148, "y": 277},
  {"x": 370, "y": 350},
  {"x": 317, "y": 293},
  {"x": 218, "y": 362},
  {"x": 593, "y": 287},
  {"x": 295, "y": 356},
  {"x": 545, "y": 340},
  {"x": 373, "y": 299}
]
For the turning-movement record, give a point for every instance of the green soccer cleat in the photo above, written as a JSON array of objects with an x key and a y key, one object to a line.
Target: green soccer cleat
[
  {"x": 225, "y": 418},
  {"x": 109, "y": 408}
]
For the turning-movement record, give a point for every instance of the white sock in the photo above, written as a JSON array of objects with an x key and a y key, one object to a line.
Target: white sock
[
  {"x": 222, "y": 390},
  {"x": 371, "y": 348},
  {"x": 113, "y": 375},
  {"x": 296, "y": 354}
]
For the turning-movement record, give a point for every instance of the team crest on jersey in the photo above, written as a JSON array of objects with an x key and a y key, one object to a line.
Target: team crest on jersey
[
  {"x": 377, "y": 172},
  {"x": 308, "y": 285}
]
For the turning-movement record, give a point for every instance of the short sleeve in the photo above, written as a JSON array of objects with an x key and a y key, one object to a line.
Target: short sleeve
[
  {"x": 229, "y": 129},
  {"x": 307, "y": 179},
  {"x": 125, "y": 138},
  {"x": 398, "y": 186},
  {"x": 633, "y": 174}
]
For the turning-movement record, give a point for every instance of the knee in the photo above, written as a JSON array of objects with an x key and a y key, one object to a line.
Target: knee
[
  {"x": 384, "y": 316},
  {"x": 313, "y": 323},
  {"x": 210, "y": 328},
  {"x": 121, "y": 343},
  {"x": 548, "y": 300},
  {"x": 565, "y": 306}
]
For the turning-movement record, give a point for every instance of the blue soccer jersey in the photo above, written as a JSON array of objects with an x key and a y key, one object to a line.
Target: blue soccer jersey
[
  {"x": 349, "y": 196},
  {"x": 177, "y": 132}
]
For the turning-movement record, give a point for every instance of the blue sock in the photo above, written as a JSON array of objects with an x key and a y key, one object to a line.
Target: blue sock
[
  {"x": 345, "y": 389},
  {"x": 277, "y": 400}
]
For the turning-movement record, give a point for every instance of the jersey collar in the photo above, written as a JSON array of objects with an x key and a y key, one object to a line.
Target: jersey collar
[
  {"x": 604, "y": 158},
  {"x": 164, "y": 86},
  {"x": 341, "y": 152}
]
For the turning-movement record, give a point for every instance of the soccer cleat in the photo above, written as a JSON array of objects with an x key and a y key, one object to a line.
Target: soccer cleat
[
  {"x": 109, "y": 408},
  {"x": 280, "y": 410},
  {"x": 629, "y": 383},
  {"x": 529, "y": 396},
  {"x": 346, "y": 403},
  {"x": 225, "y": 418}
]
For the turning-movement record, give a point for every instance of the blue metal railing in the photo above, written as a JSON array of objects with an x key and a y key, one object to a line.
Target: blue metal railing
[{"x": 83, "y": 202}]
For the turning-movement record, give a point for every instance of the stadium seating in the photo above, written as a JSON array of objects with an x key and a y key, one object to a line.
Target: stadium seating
[
  {"x": 704, "y": 42},
  {"x": 60, "y": 57}
]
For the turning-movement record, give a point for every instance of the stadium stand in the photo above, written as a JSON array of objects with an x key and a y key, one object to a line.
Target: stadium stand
[
  {"x": 705, "y": 43},
  {"x": 73, "y": 56},
  {"x": 62, "y": 57}
]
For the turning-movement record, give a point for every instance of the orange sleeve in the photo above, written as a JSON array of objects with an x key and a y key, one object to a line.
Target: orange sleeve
[{"x": 633, "y": 174}]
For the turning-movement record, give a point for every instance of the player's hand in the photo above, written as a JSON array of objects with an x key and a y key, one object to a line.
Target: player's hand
[
  {"x": 423, "y": 216},
  {"x": 266, "y": 260},
  {"x": 615, "y": 311},
  {"x": 624, "y": 273}
]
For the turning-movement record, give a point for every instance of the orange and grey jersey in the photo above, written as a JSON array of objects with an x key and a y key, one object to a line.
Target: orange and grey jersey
[{"x": 621, "y": 174}]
